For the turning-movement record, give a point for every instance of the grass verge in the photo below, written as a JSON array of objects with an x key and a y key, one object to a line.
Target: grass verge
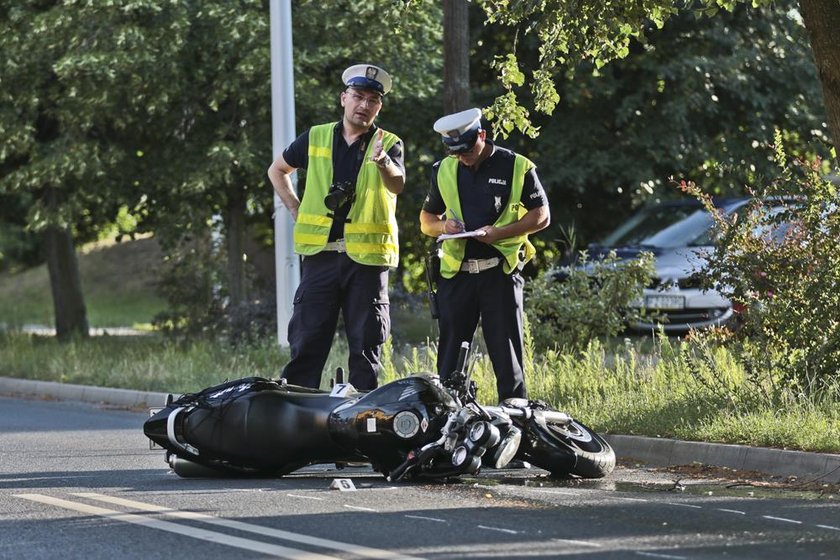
[
  {"x": 659, "y": 393},
  {"x": 117, "y": 280}
]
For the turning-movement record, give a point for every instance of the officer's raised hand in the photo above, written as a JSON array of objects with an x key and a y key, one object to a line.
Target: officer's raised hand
[
  {"x": 391, "y": 173},
  {"x": 379, "y": 156}
]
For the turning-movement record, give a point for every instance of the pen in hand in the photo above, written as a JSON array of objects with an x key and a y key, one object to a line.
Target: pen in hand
[{"x": 453, "y": 225}]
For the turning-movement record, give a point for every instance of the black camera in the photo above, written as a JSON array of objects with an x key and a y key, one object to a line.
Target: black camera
[{"x": 340, "y": 194}]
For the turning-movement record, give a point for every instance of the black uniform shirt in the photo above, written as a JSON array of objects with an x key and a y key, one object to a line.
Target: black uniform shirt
[
  {"x": 347, "y": 160},
  {"x": 484, "y": 194}
]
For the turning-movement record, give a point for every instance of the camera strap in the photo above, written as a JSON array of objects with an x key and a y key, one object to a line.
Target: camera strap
[{"x": 357, "y": 166}]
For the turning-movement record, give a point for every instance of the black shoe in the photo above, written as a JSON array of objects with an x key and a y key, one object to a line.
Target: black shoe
[{"x": 518, "y": 464}]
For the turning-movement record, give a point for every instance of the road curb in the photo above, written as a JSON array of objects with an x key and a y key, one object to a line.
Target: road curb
[
  {"x": 659, "y": 452},
  {"x": 85, "y": 393},
  {"x": 662, "y": 452}
]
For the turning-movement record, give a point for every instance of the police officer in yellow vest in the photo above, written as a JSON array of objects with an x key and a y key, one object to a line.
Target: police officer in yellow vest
[
  {"x": 495, "y": 197},
  {"x": 346, "y": 230}
]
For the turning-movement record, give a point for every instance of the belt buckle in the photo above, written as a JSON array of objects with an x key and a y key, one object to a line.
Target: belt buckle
[
  {"x": 473, "y": 266},
  {"x": 339, "y": 246}
]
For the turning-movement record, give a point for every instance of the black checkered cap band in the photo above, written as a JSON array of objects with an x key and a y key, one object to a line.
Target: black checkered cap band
[
  {"x": 463, "y": 142},
  {"x": 366, "y": 83}
]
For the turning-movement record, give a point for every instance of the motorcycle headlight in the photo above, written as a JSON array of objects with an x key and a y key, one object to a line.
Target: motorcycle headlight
[
  {"x": 459, "y": 455},
  {"x": 484, "y": 433}
]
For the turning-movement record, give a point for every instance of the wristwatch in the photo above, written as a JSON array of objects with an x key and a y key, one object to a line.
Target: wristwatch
[{"x": 384, "y": 162}]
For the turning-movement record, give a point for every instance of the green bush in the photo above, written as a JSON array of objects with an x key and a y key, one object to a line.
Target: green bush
[
  {"x": 783, "y": 269},
  {"x": 592, "y": 301}
]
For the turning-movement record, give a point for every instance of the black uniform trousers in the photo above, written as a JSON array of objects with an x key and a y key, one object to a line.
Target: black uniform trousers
[
  {"x": 332, "y": 282},
  {"x": 496, "y": 299}
]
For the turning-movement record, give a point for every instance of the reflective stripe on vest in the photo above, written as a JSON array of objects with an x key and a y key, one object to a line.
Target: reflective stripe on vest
[
  {"x": 452, "y": 250},
  {"x": 371, "y": 231}
]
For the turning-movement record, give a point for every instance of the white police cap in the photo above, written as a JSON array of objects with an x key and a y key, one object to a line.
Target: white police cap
[
  {"x": 367, "y": 76},
  {"x": 459, "y": 130}
]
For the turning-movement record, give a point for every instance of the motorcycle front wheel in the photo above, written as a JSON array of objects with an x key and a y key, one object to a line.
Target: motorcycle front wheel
[{"x": 569, "y": 449}]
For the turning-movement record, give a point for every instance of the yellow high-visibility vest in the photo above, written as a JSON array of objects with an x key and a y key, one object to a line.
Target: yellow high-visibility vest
[
  {"x": 370, "y": 235},
  {"x": 452, "y": 250}
]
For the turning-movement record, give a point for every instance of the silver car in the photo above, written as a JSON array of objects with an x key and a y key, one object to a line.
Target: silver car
[{"x": 680, "y": 235}]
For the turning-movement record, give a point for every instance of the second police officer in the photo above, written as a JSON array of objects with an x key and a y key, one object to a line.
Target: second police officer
[
  {"x": 495, "y": 195},
  {"x": 345, "y": 229}
]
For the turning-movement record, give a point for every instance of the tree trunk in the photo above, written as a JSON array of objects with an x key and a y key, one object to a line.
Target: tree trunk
[
  {"x": 456, "y": 56},
  {"x": 65, "y": 281},
  {"x": 822, "y": 20},
  {"x": 236, "y": 247}
]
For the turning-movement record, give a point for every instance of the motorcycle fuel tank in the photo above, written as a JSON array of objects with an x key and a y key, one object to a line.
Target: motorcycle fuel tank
[{"x": 393, "y": 419}]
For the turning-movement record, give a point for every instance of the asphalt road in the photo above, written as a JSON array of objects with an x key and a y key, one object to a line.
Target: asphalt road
[{"x": 78, "y": 481}]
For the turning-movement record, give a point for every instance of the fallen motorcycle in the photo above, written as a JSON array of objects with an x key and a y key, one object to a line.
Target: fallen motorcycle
[{"x": 412, "y": 428}]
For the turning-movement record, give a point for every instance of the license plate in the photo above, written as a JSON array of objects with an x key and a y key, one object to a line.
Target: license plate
[{"x": 665, "y": 302}]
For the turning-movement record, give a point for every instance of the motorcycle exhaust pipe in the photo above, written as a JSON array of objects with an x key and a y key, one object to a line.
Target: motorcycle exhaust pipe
[{"x": 189, "y": 469}]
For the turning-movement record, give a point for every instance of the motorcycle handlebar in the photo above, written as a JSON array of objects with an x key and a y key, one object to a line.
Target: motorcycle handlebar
[{"x": 462, "y": 357}]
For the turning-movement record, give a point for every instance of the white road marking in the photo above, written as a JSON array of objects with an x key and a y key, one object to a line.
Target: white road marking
[
  {"x": 782, "y": 519},
  {"x": 426, "y": 518},
  {"x": 34, "y": 478},
  {"x": 654, "y": 555},
  {"x": 829, "y": 527},
  {"x": 630, "y": 499},
  {"x": 213, "y": 491},
  {"x": 582, "y": 543},
  {"x": 684, "y": 505},
  {"x": 250, "y": 528},
  {"x": 359, "y": 508},
  {"x": 499, "y": 529},
  {"x": 305, "y": 497},
  {"x": 732, "y": 511},
  {"x": 562, "y": 492},
  {"x": 185, "y": 530}
]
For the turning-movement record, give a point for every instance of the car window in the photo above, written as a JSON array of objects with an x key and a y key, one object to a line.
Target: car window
[
  {"x": 677, "y": 225},
  {"x": 774, "y": 229},
  {"x": 694, "y": 230},
  {"x": 642, "y": 227}
]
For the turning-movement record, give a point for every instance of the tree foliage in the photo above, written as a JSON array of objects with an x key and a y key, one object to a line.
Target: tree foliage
[
  {"x": 599, "y": 32},
  {"x": 72, "y": 76},
  {"x": 699, "y": 98},
  {"x": 74, "y": 79}
]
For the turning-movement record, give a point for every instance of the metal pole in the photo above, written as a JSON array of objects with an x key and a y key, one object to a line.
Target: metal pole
[{"x": 287, "y": 264}]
